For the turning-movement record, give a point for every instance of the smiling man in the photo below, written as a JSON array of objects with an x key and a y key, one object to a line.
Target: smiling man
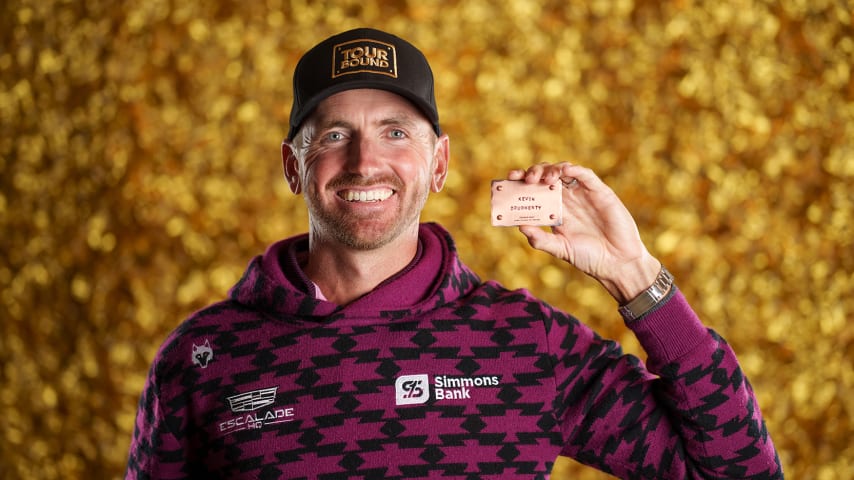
[
  {"x": 366, "y": 348},
  {"x": 367, "y": 160}
]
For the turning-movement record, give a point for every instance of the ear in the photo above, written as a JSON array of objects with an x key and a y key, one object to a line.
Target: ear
[
  {"x": 291, "y": 167},
  {"x": 441, "y": 157}
]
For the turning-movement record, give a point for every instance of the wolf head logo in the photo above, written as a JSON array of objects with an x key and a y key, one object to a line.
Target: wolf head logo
[{"x": 202, "y": 355}]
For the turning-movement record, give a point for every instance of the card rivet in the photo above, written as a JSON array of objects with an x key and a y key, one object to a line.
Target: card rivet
[
  {"x": 551, "y": 187},
  {"x": 499, "y": 217},
  {"x": 552, "y": 216},
  {"x": 499, "y": 188}
]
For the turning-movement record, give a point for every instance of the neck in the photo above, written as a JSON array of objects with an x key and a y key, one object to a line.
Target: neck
[{"x": 344, "y": 274}]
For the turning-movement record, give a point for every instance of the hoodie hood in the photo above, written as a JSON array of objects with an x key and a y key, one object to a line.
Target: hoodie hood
[{"x": 274, "y": 283}]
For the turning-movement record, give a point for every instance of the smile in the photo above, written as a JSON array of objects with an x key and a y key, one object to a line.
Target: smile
[{"x": 377, "y": 195}]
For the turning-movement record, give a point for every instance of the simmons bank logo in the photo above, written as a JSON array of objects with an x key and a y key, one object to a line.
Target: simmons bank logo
[
  {"x": 415, "y": 389},
  {"x": 412, "y": 389}
]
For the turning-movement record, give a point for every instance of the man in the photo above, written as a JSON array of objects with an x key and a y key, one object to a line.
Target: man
[{"x": 366, "y": 349}]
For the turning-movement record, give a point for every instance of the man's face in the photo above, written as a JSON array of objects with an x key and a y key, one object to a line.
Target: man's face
[{"x": 366, "y": 161}]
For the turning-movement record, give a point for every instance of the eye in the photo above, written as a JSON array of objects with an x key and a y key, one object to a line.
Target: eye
[
  {"x": 397, "y": 133},
  {"x": 334, "y": 136}
]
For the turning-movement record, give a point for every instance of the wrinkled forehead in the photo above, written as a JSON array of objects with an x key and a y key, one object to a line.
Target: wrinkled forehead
[{"x": 368, "y": 106}]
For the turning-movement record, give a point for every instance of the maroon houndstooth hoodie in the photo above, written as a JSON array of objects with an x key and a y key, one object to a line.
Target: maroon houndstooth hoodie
[{"x": 437, "y": 374}]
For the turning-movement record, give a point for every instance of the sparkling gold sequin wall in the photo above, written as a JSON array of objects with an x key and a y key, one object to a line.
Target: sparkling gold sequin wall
[{"x": 140, "y": 172}]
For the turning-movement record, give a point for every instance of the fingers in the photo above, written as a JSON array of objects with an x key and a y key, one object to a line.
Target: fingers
[
  {"x": 571, "y": 175},
  {"x": 536, "y": 173},
  {"x": 534, "y": 235},
  {"x": 544, "y": 241},
  {"x": 516, "y": 174}
]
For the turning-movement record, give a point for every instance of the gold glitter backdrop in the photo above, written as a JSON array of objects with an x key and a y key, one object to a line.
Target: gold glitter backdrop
[{"x": 140, "y": 172}]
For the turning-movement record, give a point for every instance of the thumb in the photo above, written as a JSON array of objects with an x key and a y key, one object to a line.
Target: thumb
[{"x": 539, "y": 239}]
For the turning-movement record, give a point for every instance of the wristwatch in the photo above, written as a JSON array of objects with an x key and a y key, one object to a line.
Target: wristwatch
[{"x": 649, "y": 298}]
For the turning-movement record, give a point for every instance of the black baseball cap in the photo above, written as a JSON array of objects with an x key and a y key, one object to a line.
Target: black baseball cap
[{"x": 362, "y": 58}]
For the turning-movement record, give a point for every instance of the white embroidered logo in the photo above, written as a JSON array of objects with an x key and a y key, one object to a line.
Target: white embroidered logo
[
  {"x": 251, "y": 413},
  {"x": 246, "y": 402},
  {"x": 202, "y": 355},
  {"x": 412, "y": 389},
  {"x": 416, "y": 389}
]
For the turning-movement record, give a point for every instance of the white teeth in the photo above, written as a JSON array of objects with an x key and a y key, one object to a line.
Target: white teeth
[{"x": 367, "y": 196}]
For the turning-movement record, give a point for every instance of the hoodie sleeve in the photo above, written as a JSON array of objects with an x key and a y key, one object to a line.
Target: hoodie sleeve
[
  {"x": 156, "y": 452},
  {"x": 688, "y": 413}
]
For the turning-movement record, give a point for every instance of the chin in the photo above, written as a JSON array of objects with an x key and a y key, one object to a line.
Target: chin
[{"x": 362, "y": 236}]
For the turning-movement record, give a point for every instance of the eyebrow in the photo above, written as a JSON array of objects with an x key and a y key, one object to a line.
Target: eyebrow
[
  {"x": 401, "y": 119},
  {"x": 334, "y": 124},
  {"x": 405, "y": 120}
]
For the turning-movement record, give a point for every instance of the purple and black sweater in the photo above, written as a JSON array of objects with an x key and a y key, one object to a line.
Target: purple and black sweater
[{"x": 437, "y": 374}]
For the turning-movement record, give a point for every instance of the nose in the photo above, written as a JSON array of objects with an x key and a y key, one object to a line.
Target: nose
[{"x": 364, "y": 158}]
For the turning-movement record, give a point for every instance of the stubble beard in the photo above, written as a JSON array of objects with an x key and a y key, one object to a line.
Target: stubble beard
[{"x": 365, "y": 232}]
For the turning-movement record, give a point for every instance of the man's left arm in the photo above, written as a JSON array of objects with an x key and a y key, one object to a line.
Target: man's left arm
[
  {"x": 711, "y": 404},
  {"x": 687, "y": 412},
  {"x": 710, "y": 408}
]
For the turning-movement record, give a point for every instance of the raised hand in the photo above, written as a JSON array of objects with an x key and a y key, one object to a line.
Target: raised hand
[{"x": 598, "y": 235}]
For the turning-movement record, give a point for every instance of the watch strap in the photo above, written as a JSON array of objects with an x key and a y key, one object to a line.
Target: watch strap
[{"x": 649, "y": 298}]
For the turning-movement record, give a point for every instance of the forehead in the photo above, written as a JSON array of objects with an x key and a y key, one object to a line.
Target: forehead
[{"x": 369, "y": 103}]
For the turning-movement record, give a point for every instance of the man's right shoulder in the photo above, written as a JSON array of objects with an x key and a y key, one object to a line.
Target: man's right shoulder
[{"x": 203, "y": 324}]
